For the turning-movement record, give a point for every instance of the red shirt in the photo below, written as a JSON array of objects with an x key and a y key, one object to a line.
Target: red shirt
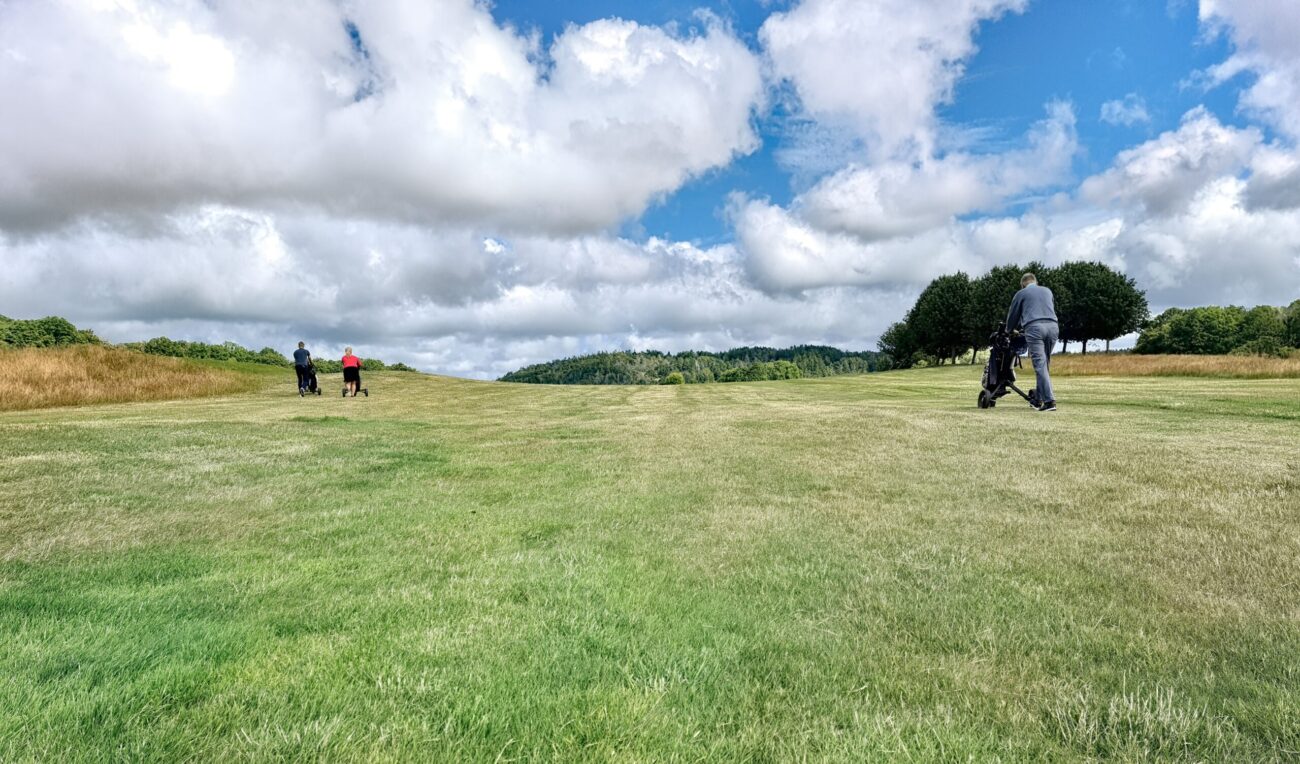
[{"x": 350, "y": 360}]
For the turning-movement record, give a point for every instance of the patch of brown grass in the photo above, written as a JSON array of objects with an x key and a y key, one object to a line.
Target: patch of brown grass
[
  {"x": 1132, "y": 365},
  {"x": 85, "y": 374}
]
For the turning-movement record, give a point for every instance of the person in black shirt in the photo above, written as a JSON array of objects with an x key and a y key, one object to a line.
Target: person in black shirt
[{"x": 302, "y": 365}]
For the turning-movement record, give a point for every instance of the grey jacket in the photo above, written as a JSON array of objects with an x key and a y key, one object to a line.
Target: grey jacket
[{"x": 1033, "y": 303}]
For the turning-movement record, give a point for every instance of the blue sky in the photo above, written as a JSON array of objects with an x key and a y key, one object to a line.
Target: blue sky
[
  {"x": 1088, "y": 53},
  {"x": 471, "y": 187}
]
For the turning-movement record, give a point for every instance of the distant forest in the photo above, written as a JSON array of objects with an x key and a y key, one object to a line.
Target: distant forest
[{"x": 651, "y": 367}]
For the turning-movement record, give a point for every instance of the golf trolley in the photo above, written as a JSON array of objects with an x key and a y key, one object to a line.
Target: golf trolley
[
  {"x": 999, "y": 375},
  {"x": 363, "y": 390}
]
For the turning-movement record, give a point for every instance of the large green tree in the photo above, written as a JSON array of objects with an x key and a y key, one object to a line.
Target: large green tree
[
  {"x": 941, "y": 315},
  {"x": 1070, "y": 283},
  {"x": 1207, "y": 331},
  {"x": 1095, "y": 302},
  {"x": 1155, "y": 337},
  {"x": 990, "y": 298},
  {"x": 1114, "y": 306},
  {"x": 898, "y": 344},
  {"x": 1291, "y": 322},
  {"x": 1264, "y": 323},
  {"x": 51, "y": 331}
]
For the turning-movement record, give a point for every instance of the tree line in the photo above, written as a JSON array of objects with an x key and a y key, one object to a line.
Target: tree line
[
  {"x": 230, "y": 351},
  {"x": 956, "y": 314},
  {"x": 652, "y": 367},
  {"x": 47, "y": 332},
  {"x": 53, "y": 331},
  {"x": 225, "y": 351},
  {"x": 1213, "y": 330}
]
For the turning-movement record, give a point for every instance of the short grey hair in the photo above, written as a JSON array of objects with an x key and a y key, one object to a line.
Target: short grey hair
[{"x": 1028, "y": 279}]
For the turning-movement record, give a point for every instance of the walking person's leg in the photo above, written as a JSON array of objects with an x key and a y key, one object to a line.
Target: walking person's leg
[
  {"x": 1041, "y": 337},
  {"x": 1051, "y": 332}
]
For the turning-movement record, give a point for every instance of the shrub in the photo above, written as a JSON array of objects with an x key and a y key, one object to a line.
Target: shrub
[
  {"x": 226, "y": 351},
  {"x": 1268, "y": 347},
  {"x": 760, "y": 372},
  {"x": 783, "y": 370},
  {"x": 675, "y": 378}
]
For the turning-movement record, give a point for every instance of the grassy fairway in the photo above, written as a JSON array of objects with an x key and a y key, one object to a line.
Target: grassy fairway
[{"x": 843, "y": 569}]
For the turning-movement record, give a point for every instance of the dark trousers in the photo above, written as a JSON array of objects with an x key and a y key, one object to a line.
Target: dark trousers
[{"x": 304, "y": 376}]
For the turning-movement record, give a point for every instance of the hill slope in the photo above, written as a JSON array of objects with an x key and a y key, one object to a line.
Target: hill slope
[
  {"x": 835, "y": 569},
  {"x": 78, "y": 375}
]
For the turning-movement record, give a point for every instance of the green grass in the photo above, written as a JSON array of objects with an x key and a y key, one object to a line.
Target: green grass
[{"x": 855, "y": 568}]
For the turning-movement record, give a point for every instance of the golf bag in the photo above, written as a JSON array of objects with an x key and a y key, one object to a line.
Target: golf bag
[
  {"x": 999, "y": 377},
  {"x": 307, "y": 384}
]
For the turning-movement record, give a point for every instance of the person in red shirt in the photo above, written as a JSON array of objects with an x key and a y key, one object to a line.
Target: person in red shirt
[{"x": 351, "y": 373}]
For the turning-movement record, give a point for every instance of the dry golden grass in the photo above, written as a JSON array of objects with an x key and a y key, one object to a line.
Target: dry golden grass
[
  {"x": 85, "y": 374},
  {"x": 1129, "y": 365}
]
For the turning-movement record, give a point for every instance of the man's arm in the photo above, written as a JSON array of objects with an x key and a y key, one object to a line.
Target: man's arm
[{"x": 1017, "y": 306}]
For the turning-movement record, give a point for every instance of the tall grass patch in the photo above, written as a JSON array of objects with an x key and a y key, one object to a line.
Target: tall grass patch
[
  {"x": 81, "y": 375},
  {"x": 1130, "y": 365}
]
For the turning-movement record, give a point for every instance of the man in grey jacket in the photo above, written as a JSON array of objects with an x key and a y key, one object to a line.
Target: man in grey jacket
[{"x": 1033, "y": 311}]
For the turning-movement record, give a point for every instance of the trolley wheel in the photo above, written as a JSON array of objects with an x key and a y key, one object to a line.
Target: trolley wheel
[{"x": 985, "y": 401}]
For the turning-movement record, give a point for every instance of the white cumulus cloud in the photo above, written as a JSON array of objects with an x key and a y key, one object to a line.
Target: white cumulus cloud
[
  {"x": 887, "y": 199},
  {"x": 1164, "y": 174},
  {"x": 1266, "y": 34},
  {"x": 1127, "y": 111},
  {"x": 881, "y": 66},
  {"x": 398, "y": 109}
]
